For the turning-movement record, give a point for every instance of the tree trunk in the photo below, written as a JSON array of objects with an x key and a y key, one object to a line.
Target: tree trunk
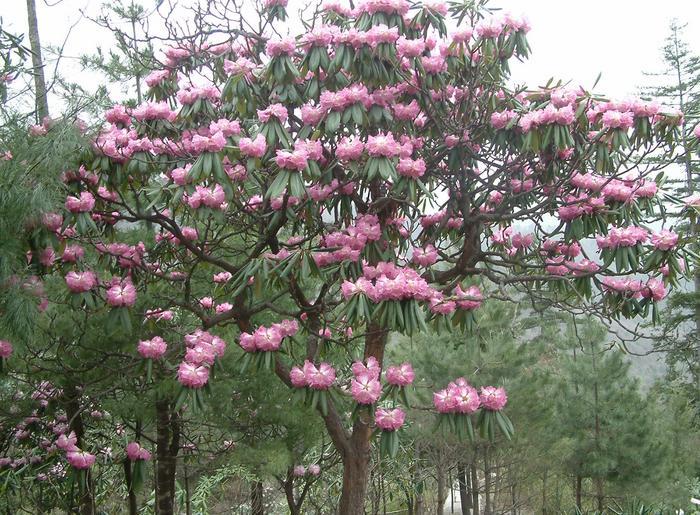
[
  {"x": 487, "y": 482},
  {"x": 167, "y": 446},
  {"x": 579, "y": 481},
  {"x": 475, "y": 488},
  {"x": 86, "y": 501},
  {"x": 40, "y": 94},
  {"x": 465, "y": 499},
  {"x": 133, "y": 508},
  {"x": 355, "y": 474},
  {"x": 441, "y": 497},
  {"x": 257, "y": 506},
  {"x": 357, "y": 456},
  {"x": 288, "y": 486},
  {"x": 599, "y": 493}
]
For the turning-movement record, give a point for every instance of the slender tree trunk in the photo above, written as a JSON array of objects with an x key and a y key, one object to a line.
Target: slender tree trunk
[
  {"x": 356, "y": 459},
  {"x": 465, "y": 499},
  {"x": 487, "y": 482},
  {"x": 87, "y": 500},
  {"x": 288, "y": 486},
  {"x": 257, "y": 505},
  {"x": 40, "y": 94},
  {"x": 133, "y": 508},
  {"x": 167, "y": 446},
  {"x": 475, "y": 487},
  {"x": 579, "y": 481},
  {"x": 419, "y": 507},
  {"x": 441, "y": 497}
]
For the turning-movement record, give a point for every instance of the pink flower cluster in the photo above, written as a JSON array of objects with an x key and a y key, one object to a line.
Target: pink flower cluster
[
  {"x": 493, "y": 398},
  {"x": 365, "y": 386},
  {"x": 664, "y": 240},
  {"x": 383, "y": 145},
  {"x": 253, "y": 148},
  {"x": 425, "y": 257},
  {"x": 268, "y": 339},
  {"x": 390, "y": 283},
  {"x": 81, "y": 282},
  {"x": 389, "y": 419},
  {"x": 458, "y": 397},
  {"x": 214, "y": 198},
  {"x": 81, "y": 204},
  {"x": 350, "y": 242},
  {"x": 654, "y": 289},
  {"x": 400, "y": 375},
  {"x": 202, "y": 350},
  {"x": 190, "y": 95},
  {"x": 319, "y": 377},
  {"x": 153, "y": 348},
  {"x": 278, "y": 47},
  {"x": 149, "y": 111},
  {"x": 135, "y": 452},
  {"x": 77, "y": 458},
  {"x": 622, "y": 237},
  {"x": 5, "y": 349},
  {"x": 273, "y": 111},
  {"x": 121, "y": 293},
  {"x": 411, "y": 168}
]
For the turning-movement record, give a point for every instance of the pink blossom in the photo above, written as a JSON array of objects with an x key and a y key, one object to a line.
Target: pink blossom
[
  {"x": 81, "y": 204},
  {"x": 5, "y": 349},
  {"x": 80, "y": 460},
  {"x": 664, "y": 240},
  {"x": 314, "y": 469},
  {"x": 349, "y": 149},
  {"x": 253, "y": 148},
  {"x": 654, "y": 290},
  {"x": 622, "y": 237},
  {"x": 192, "y": 376},
  {"x": 522, "y": 241},
  {"x": 278, "y": 111},
  {"x": 296, "y": 160},
  {"x": 81, "y": 282},
  {"x": 499, "y": 120},
  {"x": 409, "y": 47},
  {"x": 222, "y": 277},
  {"x": 492, "y": 398},
  {"x": 411, "y": 168},
  {"x": 319, "y": 378},
  {"x": 278, "y": 47},
  {"x": 365, "y": 389},
  {"x": 67, "y": 443},
  {"x": 370, "y": 368},
  {"x": 425, "y": 257},
  {"x": 299, "y": 471},
  {"x": 135, "y": 452},
  {"x": 470, "y": 299},
  {"x": 153, "y": 348},
  {"x": 383, "y": 145},
  {"x": 189, "y": 233},
  {"x": 297, "y": 377},
  {"x": 401, "y": 375},
  {"x": 121, "y": 294},
  {"x": 72, "y": 253},
  {"x": 389, "y": 419}
]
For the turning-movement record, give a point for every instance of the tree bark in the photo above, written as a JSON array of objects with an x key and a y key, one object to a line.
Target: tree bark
[
  {"x": 475, "y": 488},
  {"x": 86, "y": 501},
  {"x": 356, "y": 456},
  {"x": 441, "y": 497},
  {"x": 133, "y": 508},
  {"x": 40, "y": 93},
  {"x": 257, "y": 506},
  {"x": 465, "y": 499},
  {"x": 579, "y": 481},
  {"x": 487, "y": 482},
  {"x": 167, "y": 446}
]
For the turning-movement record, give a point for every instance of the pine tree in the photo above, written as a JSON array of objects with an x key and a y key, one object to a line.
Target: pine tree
[{"x": 680, "y": 88}]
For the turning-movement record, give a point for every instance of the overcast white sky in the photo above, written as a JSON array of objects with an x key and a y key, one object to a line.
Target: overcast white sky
[{"x": 570, "y": 39}]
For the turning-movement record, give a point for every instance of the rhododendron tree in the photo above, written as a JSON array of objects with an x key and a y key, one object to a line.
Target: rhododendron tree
[{"x": 376, "y": 173}]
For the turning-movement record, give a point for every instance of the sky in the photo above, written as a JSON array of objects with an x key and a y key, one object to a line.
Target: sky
[{"x": 570, "y": 40}]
